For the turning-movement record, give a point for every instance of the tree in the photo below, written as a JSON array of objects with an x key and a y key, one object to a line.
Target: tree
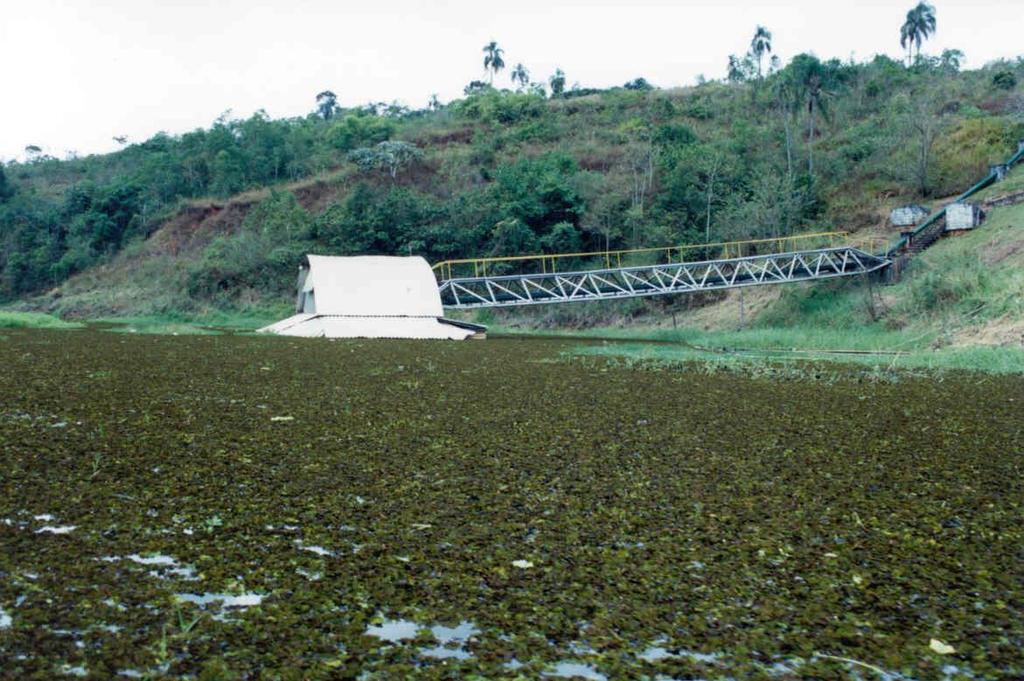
[
  {"x": 710, "y": 168},
  {"x": 1004, "y": 80},
  {"x": 640, "y": 84},
  {"x": 769, "y": 208},
  {"x": 786, "y": 103},
  {"x": 397, "y": 154},
  {"x": 811, "y": 79},
  {"x": 563, "y": 238},
  {"x": 435, "y": 103},
  {"x": 520, "y": 75},
  {"x": 476, "y": 87},
  {"x": 492, "y": 60},
  {"x": 919, "y": 24},
  {"x": 606, "y": 200},
  {"x": 391, "y": 155},
  {"x": 740, "y": 70},
  {"x": 557, "y": 83},
  {"x": 951, "y": 60},
  {"x": 358, "y": 130},
  {"x": 922, "y": 128},
  {"x": 513, "y": 237},
  {"x": 6, "y": 190},
  {"x": 326, "y": 104},
  {"x": 760, "y": 46}
]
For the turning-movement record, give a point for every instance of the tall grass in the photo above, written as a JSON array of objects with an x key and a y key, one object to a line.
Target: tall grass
[
  {"x": 214, "y": 321},
  {"x": 805, "y": 338},
  {"x": 10, "y": 319},
  {"x": 998, "y": 360}
]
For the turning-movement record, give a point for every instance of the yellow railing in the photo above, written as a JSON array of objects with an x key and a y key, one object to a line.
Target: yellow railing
[
  {"x": 669, "y": 254},
  {"x": 868, "y": 244}
]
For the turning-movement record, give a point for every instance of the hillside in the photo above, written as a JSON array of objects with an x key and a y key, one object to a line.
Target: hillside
[{"x": 216, "y": 220}]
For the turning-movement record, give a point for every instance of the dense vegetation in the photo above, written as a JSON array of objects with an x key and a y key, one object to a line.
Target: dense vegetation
[
  {"x": 774, "y": 150},
  {"x": 232, "y": 508}
]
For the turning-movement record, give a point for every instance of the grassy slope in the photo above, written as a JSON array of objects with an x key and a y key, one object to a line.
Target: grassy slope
[{"x": 959, "y": 305}]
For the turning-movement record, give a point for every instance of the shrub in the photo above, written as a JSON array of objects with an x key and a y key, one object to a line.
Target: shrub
[
  {"x": 1004, "y": 80},
  {"x": 359, "y": 130}
]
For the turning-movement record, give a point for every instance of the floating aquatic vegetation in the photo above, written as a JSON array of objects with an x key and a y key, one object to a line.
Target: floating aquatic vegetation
[{"x": 506, "y": 515}]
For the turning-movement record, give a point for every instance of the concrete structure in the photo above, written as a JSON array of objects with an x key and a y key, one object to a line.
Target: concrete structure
[
  {"x": 962, "y": 215},
  {"x": 907, "y": 216},
  {"x": 370, "y": 297}
]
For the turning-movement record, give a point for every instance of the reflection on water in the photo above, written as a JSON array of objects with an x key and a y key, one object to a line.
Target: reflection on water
[
  {"x": 570, "y": 670},
  {"x": 312, "y": 548},
  {"x": 165, "y": 565},
  {"x": 56, "y": 529},
  {"x": 451, "y": 641},
  {"x": 443, "y": 653},
  {"x": 227, "y": 600},
  {"x": 393, "y": 631}
]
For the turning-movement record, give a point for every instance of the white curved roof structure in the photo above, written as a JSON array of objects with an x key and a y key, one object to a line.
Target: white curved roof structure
[{"x": 370, "y": 296}]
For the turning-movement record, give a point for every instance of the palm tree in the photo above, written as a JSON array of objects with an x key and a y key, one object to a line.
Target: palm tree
[
  {"x": 920, "y": 24},
  {"x": 492, "y": 60},
  {"x": 761, "y": 45},
  {"x": 520, "y": 75},
  {"x": 810, "y": 87},
  {"x": 813, "y": 92}
]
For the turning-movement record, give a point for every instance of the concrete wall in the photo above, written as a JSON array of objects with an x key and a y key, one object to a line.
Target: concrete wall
[
  {"x": 907, "y": 216},
  {"x": 962, "y": 215}
]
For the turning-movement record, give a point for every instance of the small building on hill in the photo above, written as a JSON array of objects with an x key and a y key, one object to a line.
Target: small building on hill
[
  {"x": 370, "y": 296},
  {"x": 962, "y": 215},
  {"x": 908, "y": 216}
]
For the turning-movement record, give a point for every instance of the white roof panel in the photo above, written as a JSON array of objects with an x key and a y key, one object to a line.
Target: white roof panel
[{"x": 373, "y": 285}]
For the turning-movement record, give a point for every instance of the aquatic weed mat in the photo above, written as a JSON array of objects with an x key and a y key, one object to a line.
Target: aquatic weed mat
[{"x": 249, "y": 507}]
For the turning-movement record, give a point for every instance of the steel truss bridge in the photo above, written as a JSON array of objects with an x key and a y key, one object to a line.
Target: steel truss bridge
[{"x": 614, "y": 282}]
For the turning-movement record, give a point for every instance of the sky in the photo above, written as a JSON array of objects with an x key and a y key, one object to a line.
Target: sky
[{"x": 76, "y": 73}]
